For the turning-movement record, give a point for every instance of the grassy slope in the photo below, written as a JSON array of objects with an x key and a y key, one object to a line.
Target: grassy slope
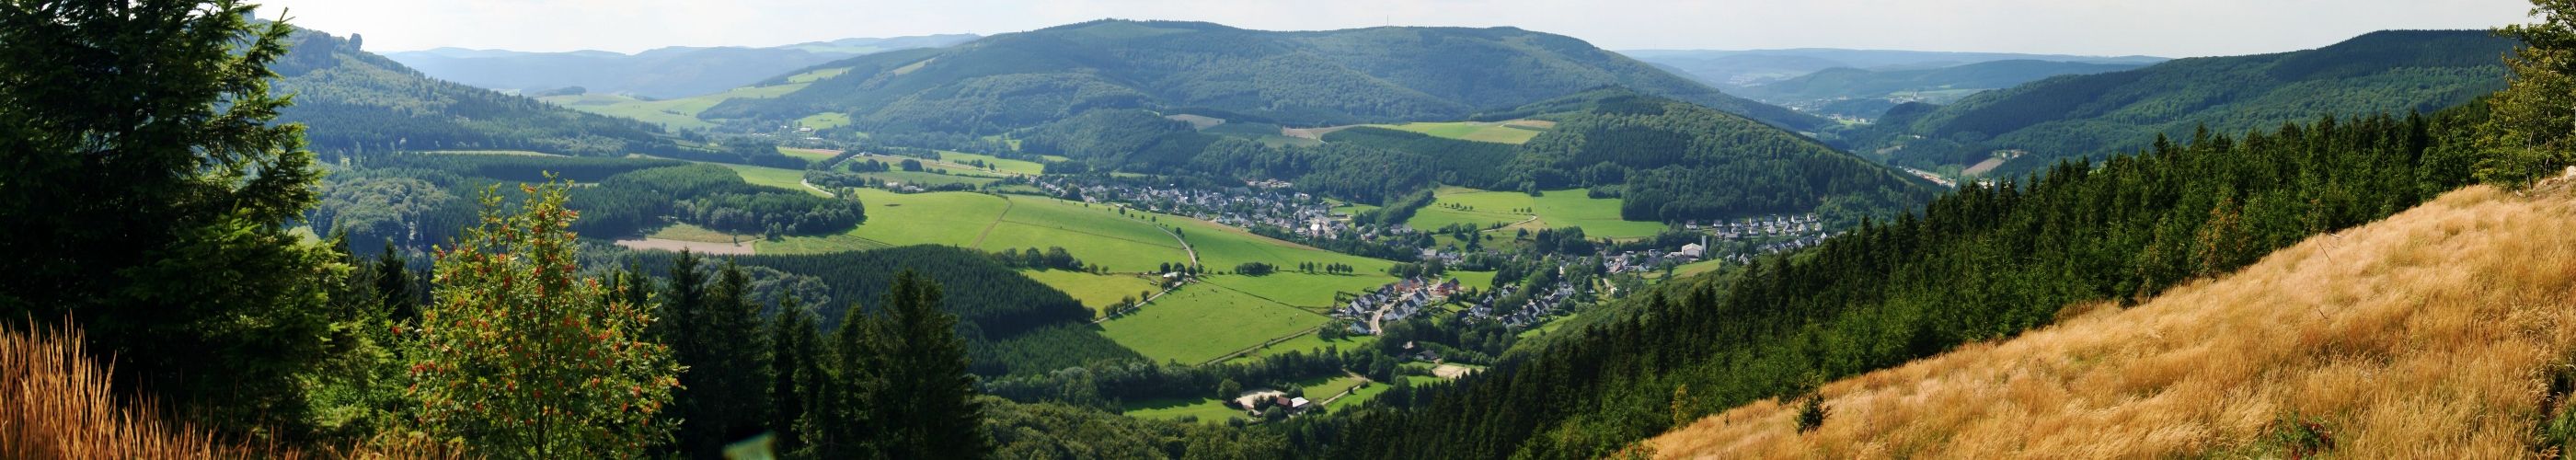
[
  {"x": 1208, "y": 410},
  {"x": 774, "y": 177},
  {"x": 683, "y": 112},
  {"x": 1473, "y": 131},
  {"x": 1004, "y": 165},
  {"x": 2429, "y": 334},
  {"x": 1095, "y": 291},
  {"x": 1199, "y": 323}
]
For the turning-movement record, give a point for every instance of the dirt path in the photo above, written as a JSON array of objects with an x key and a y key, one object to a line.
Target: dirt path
[
  {"x": 1514, "y": 224},
  {"x": 1348, "y": 391},
  {"x": 1264, "y": 344},
  {"x": 1185, "y": 244},
  {"x": 997, "y": 222},
  {"x": 1141, "y": 303},
  {"x": 826, "y": 193}
]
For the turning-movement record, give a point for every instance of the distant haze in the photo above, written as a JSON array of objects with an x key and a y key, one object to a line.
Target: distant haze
[{"x": 2174, "y": 28}]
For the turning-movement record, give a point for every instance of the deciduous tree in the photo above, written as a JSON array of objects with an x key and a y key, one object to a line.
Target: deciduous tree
[{"x": 521, "y": 356}]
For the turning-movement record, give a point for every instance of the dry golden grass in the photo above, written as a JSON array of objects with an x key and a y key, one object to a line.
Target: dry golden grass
[
  {"x": 2428, "y": 335},
  {"x": 56, "y": 403}
]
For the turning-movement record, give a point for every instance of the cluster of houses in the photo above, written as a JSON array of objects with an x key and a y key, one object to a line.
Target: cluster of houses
[
  {"x": 1752, "y": 227},
  {"x": 1394, "y": 302},
  {"x": 1253, "y": 402},
  {"x": 1638, "y": 261},
  {"x": 1262, "y": 203},
  {"x": 1529, "y": 314},
  {"x": 1787, "y": 245}
]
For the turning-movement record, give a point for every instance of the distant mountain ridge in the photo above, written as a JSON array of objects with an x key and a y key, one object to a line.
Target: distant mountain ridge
[
  {"x": 352, "y": 102},
  {"x": 667, "y": 72},
  {"x": 1019, "y": 80},
  {"x": 2095, "y": 116},
  {"x": 1737, "y": 68},
  {"x": 1867, "y": 93}
]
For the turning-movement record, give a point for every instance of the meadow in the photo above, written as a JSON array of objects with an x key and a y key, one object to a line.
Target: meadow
[
  {"x": 787, "y": 179},
  {"x": 1515, "y": 132},
  {"x": 1206, "y": 410},
  {"x": 826, "y": 120},
  {"x": 1198, "y": 323},
  {"x": 1309, "y": 343},
  {"x": 1599, "y": 217},
  {"x": 929, "y": 179},
  {"x": 1364, "y": 393},
  {"x": 1018, "y": 167},
  {"x": 1095, "y": 291}
]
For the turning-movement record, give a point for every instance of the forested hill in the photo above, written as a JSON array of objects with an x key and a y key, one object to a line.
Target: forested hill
[
  {"x": 1979, "y": 264},
  {"x": 353, "y": 101},
  {"x": 1733, "y": 69},
  {"x": 1670, "y": 160},
  {"x": 2094, "y": 116},
  {"x": 1936, "y": 85},
  {"x": 659, "y": 73},
  {"x": 1295, "y": 78}
]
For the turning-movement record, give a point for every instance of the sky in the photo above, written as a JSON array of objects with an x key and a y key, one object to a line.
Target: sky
[{"x": 2169, "y": 28}]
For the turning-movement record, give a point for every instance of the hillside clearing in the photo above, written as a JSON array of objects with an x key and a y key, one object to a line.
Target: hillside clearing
[
  {"x": 701, "y": 247},
  {"x": 1513, "y": 132},
  {"x": 1599, "y": 217},
  {"x": 2434, "y": 333}
]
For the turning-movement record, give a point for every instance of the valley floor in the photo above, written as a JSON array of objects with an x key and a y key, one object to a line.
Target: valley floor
[{"x": 2433, "y": 334}]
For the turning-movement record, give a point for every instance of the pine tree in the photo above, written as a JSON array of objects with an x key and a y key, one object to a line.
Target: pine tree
[
  {"x": 392, "y": 276},
  {"x": 794, "y": 371},
  {"x": 147, "y": 189},
  {"x": 929, "y": 397},
  {"x": 724, "y": 392},
  {"x": 843, "y": 423}
]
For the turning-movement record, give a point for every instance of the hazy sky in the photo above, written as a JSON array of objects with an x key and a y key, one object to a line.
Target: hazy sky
[{"x": 2172, "y": 28}]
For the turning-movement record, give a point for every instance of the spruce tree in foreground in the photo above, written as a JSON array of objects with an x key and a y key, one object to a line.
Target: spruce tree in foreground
[
  {"x": 521, "y": 356},
  {"x": 724, "y": 397},
  {"x": 898, "y": 385},
  {"x": 929, "y": 397},
  {"x": 145, "y": 193}
]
